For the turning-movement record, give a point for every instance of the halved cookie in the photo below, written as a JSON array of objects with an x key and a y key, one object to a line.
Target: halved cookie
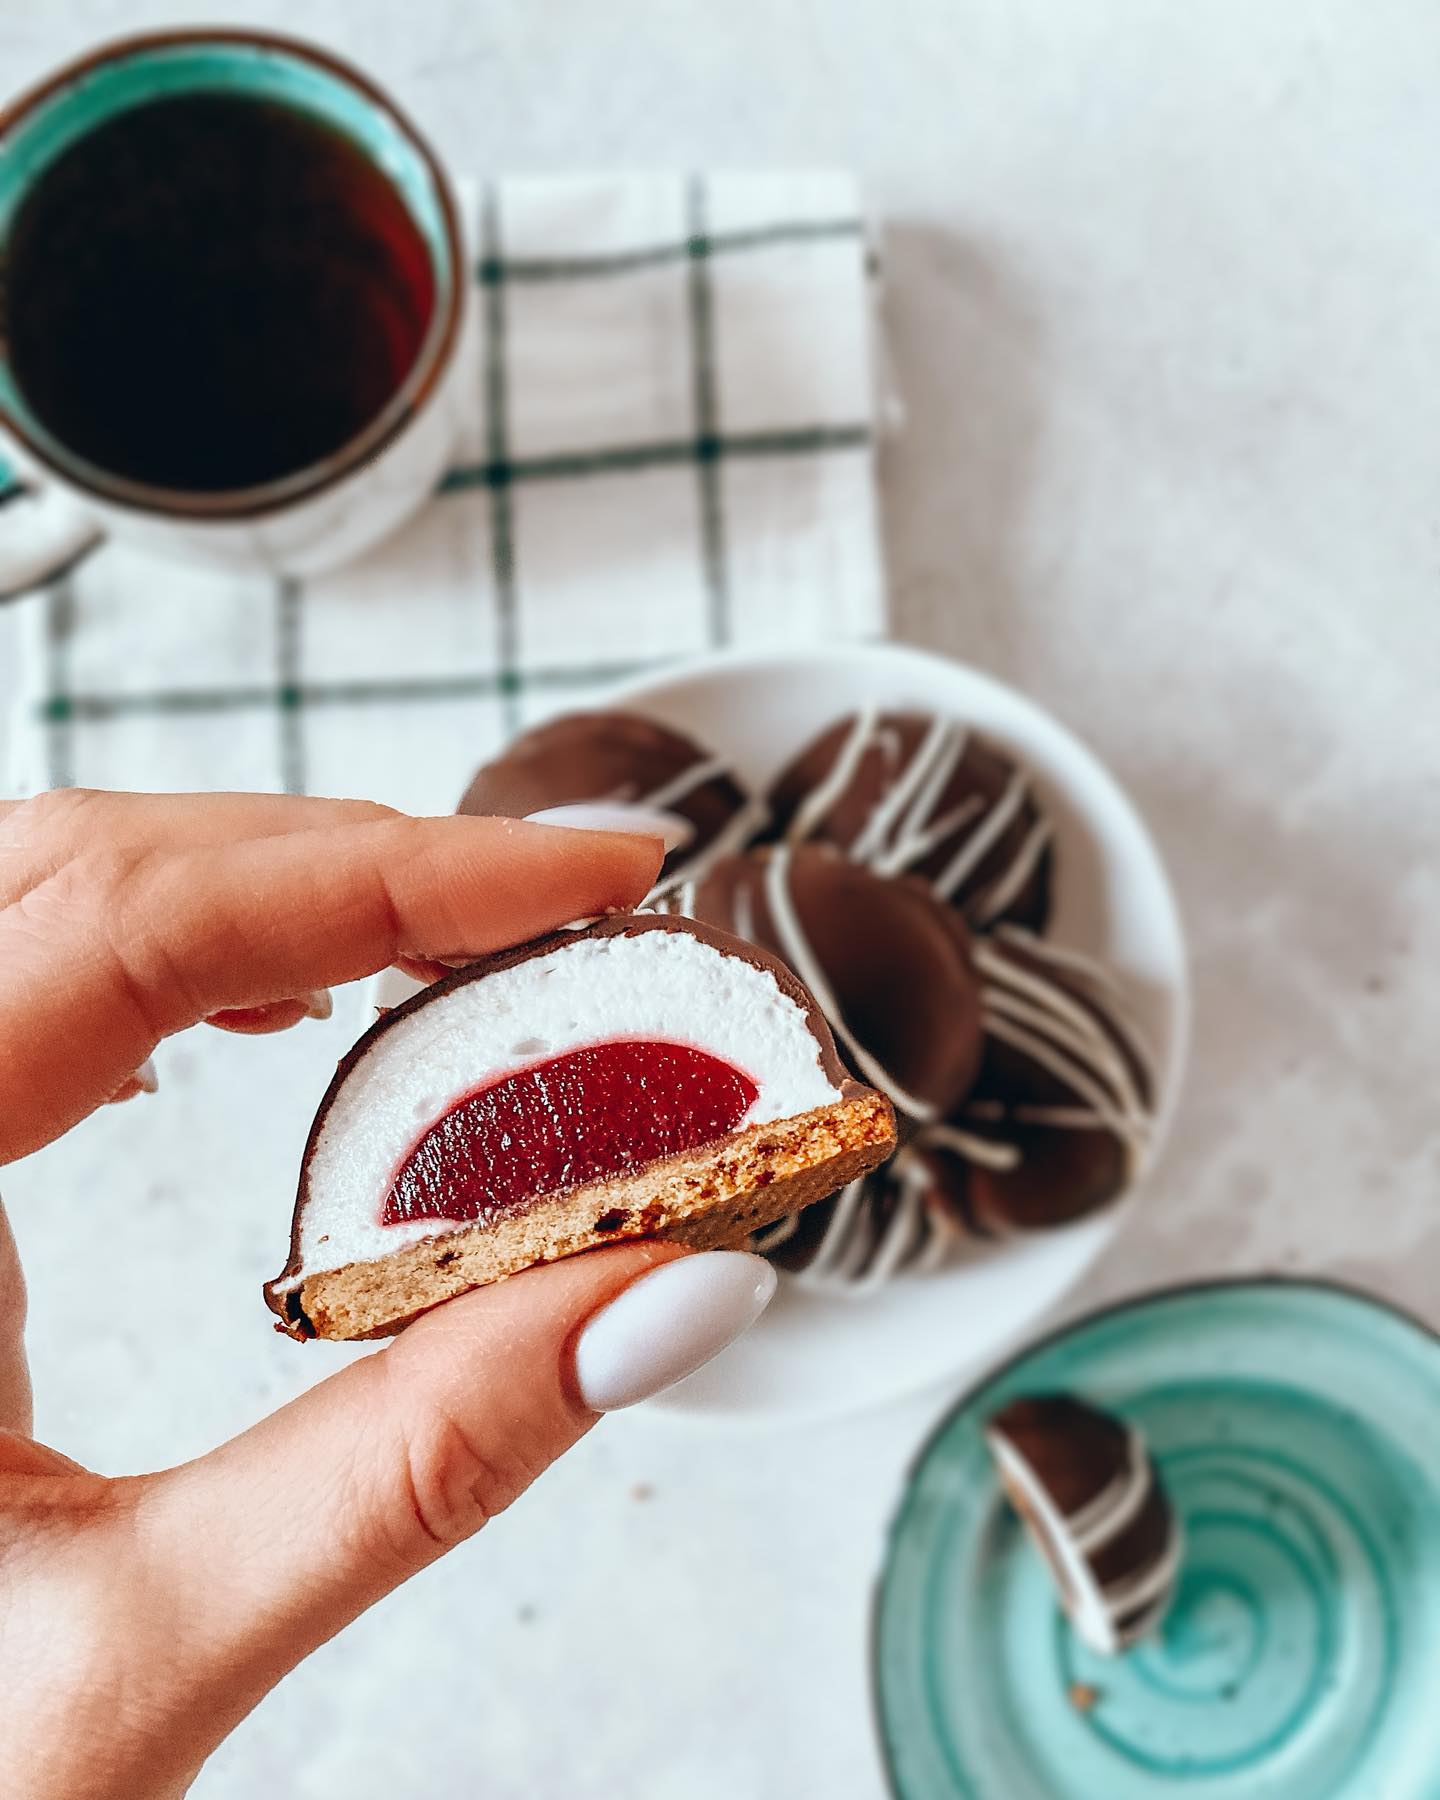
[
  {"x": 643, "y": 1077},
  {"x": 1087, "y": 1491}
]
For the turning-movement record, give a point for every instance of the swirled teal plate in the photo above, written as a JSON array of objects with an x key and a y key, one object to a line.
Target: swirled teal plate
[{"x": 1297, "y": 1427}]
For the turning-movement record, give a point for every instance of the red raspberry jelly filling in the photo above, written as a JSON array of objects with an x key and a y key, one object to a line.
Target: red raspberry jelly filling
[{"x": 577, "y": 1118}]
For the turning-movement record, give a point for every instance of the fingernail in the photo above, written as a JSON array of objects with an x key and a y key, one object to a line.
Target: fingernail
[
  {"x": 616, "y": 815},
  {"x": 669, "y": 1324},
  {"x": 143, "y": 1081},
  {"x": 318, "y": 1004}
]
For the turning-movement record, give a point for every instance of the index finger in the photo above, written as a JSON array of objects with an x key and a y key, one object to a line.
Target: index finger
[
  {"x": 116, "y": 951},
  {"x": 248, "y": 922}
]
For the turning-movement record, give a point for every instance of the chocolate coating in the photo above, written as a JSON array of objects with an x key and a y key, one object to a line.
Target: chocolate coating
[
  {"x": 1073, "y": 1448},
  {"x": 1058, "y": 1120},
  {"x": 909, "y": 793},
  {"x": 622, "y": 757},
  {"x": 889, "y": 965}
]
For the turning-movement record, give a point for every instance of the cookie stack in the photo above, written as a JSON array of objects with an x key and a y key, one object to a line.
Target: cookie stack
[{"x": 903, "y": 866}]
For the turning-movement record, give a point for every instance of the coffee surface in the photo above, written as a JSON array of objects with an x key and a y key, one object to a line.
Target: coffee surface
[{"x": 211, "y": 291}]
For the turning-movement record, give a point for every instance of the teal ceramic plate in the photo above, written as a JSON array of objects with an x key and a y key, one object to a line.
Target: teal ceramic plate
[{"x": 1297, "y": 1427}]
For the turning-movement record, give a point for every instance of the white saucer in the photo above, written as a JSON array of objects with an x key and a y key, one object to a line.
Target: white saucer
[{"x": 814, "y": 1357}]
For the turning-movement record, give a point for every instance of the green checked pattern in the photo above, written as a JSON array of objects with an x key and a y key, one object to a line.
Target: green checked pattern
[
  {"x": 707, "y": 411},
  {"x": 500, "y": 472},
  {"x": 668, "y": 450}
]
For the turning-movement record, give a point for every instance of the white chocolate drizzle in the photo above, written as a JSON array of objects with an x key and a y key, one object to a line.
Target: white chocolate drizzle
[
  {"x": 819, "y": 801},
  {"x": 857, "y": 1252},
  {"x": 897, "y": 826},
  {"x": 1040, "y": 1018},
  {"x": 982, "y": 840},
  {"x": 711, "y": 768},
  {"x": 1099, "y": 975},
  {"x": 746, "y": 822},
  {"x": 853, "y": 1257},
  {"x": 1008, "y": 888},
  {"x": 903, "y": 828},
  {"x": 973, "y": 1148},
  {"x": 835, "y": 1252},
  {"x": 1106, "y": 1514},
  {"x": 1137, "y": 1603}
]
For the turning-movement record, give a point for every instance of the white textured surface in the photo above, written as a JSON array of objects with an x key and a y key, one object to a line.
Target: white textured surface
[
  {"x": 1165, "y": 304},
  {"x": 659, "y": 984}
]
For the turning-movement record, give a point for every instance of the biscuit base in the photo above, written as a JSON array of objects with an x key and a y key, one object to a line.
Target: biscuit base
[{"x": 710, "y": 1198}]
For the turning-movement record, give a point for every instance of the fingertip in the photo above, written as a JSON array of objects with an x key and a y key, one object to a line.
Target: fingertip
[
  {"x": 263, "y": 1019},
  {"x": 642, "y": 856},
  {"x": 143, "y": 1081},
  {"x": 610, "y": 870},
  {"x": 622, "y": 818},
  {"x": 599, "y": 841},
  {"x": 426, "y": 969},
  {"x": 667, "y": 1324}
]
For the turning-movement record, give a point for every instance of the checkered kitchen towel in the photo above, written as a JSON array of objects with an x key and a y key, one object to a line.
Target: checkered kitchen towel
[{"x": 670, "y": 450}]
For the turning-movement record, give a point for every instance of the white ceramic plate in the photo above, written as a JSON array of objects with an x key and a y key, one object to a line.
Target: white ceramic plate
[{"x": 814, "y": 1357}]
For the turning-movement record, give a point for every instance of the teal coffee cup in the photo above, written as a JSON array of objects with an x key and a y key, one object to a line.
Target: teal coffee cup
[{"x": 233, "y": 289}]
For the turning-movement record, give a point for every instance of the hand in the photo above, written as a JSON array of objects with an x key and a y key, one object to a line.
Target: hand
[{"x": 141, "y": 1618}]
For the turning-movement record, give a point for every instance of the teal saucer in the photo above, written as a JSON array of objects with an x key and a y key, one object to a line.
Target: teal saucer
[{"x": 1297, "y": 1427}]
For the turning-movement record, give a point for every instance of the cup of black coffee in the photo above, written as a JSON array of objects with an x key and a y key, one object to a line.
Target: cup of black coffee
[{"x": 232, "y": 288}]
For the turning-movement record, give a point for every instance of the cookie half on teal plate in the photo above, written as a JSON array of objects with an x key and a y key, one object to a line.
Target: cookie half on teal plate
[{"x": 1296, "y": 1426}]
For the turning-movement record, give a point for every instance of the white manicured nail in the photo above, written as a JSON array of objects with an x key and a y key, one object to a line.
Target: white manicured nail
[
  {"x": 669, "y": 1324},
  {"x": 318, "y": 1004},
  {"x": 617, "y": 815},
  {"x": 145, "y": 1076}
]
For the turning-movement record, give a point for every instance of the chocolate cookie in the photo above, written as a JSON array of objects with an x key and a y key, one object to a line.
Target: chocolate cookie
[
  {"x": 908, "y": 793},
  {"x": 1088, "y": 1493}
]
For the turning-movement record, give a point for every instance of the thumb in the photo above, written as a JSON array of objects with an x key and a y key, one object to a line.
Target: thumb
[{"x": 269, "y": 1545}]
